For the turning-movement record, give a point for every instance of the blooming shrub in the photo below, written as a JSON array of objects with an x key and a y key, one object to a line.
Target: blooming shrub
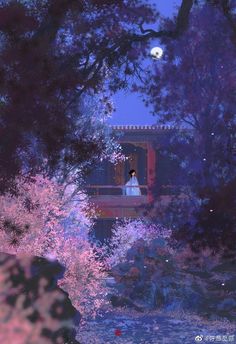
[
  {"x": 84, "y": 278},
  {"x": 126, "y": 233},
  {"x": 45, "y": 220},
  {"x": 80, "y": 214},
  {"x": 30, "y": 218}
]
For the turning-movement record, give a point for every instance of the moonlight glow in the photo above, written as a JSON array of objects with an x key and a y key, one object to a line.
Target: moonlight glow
[{"x": 156, "y": 53}]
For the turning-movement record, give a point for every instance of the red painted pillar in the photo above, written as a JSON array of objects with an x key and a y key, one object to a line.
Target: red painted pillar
[{"x": 151, "y": 169}]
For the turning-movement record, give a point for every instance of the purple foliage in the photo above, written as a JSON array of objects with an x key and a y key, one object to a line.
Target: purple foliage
[{"x": 194, "y": 88}]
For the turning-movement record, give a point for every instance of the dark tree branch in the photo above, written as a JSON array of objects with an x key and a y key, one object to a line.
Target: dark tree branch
[
  {"x": 181, "y": 24},
  {"x": 182, "y": 20},
  {"x": 147, "y": 30}
]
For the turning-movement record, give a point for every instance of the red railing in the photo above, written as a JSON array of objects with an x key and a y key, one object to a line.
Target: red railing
[
  {"x": 98, "y": 189},
  {"x": 118, "y": 190}
]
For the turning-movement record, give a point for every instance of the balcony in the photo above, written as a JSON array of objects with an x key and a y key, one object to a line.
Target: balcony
[{"x": 111, "y": 202}]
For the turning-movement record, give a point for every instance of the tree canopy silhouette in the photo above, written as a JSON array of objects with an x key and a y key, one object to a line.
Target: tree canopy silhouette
[
  {"x": 194, "y": 88},
  {"x": 52, "y": 53}
]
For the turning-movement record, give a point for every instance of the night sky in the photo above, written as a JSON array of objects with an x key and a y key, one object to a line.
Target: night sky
[{"x": 129, "y": 107}]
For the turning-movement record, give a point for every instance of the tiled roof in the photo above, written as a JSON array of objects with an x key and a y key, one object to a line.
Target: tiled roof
[{"x": 142, "y": 127}]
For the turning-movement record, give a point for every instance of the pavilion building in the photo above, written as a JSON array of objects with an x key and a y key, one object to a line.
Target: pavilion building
[{"x": 141, "y": 145}]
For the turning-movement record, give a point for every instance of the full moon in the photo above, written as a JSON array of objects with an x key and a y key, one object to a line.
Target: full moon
[{"x": 156, "y": 53}]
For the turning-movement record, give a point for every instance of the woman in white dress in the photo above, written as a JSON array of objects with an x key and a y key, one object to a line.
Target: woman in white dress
[{"x": 132, "y": 186}]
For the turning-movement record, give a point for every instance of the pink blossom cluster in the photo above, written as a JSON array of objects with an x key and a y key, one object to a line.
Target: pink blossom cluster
[
  {"x": 127, "y": 232},
  {"x": 30, "y": 218},
  {"x": 84, "y": 278},
  {"x": 44, "y": 219}
]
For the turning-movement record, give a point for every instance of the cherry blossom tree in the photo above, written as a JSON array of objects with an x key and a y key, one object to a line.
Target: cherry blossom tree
[
  {"x": 42, "y": 219},
  {"x": 84, "y": 278},
  {"x": 30, "y": 218}
]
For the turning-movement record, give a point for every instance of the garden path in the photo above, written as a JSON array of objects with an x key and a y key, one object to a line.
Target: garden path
[{"x": 125, "y": 327}]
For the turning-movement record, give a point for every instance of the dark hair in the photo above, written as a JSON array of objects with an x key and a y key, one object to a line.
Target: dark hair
[{"x": 131, "y": 171}]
